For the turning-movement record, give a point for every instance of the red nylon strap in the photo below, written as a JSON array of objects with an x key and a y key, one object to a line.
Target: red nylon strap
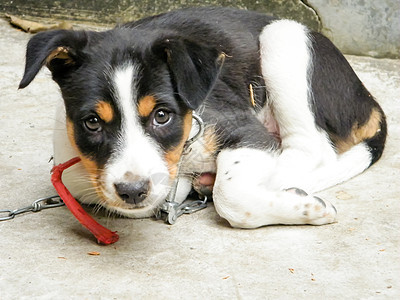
[{"x": 103, "y": 235}]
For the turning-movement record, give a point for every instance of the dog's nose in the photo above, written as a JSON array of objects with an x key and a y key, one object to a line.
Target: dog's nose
[{"x": 133, "y": 192}]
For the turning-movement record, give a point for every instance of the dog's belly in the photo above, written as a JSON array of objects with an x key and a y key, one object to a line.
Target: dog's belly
[{"x": 266, "y": 117}]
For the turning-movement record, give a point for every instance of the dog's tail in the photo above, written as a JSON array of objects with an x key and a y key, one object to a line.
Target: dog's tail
[{"x": 376, "y": 144}]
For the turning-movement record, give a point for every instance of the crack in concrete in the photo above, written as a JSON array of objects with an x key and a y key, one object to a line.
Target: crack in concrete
[{"x": 309, "y": 6}]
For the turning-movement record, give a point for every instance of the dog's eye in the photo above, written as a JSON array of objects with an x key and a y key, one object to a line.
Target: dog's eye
[
  {"x": 93, "y": 124},
  {"x": 161, "y": 117}
]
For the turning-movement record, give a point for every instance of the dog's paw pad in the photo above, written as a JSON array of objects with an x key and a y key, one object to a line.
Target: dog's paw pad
[
  {"x": 322, "y": 212},
  {"x": 296, "y": 191}
]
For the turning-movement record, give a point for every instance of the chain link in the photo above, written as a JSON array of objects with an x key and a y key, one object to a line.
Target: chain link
[
  {"x": 170, "y": 210},
  {"x": 37, "y": 205}
]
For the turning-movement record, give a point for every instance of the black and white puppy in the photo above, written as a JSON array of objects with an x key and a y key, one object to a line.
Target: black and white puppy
[{"x": 281, "y": 105}]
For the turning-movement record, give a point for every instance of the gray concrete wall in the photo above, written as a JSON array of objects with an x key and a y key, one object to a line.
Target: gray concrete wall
[
  {"x": 118, "y": 11},
  {"x": 362, "y": 27},
  {"x": 368, "y": 27}
]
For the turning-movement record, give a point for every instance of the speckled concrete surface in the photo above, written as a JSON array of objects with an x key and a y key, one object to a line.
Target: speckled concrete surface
[{"x": 45, "y": 255}]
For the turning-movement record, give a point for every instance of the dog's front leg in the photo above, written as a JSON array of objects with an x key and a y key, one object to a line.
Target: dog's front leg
[{"x": 245, "y": 195}]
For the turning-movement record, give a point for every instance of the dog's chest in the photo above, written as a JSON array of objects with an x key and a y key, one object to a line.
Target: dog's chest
[{"x": 201, "y": 156}]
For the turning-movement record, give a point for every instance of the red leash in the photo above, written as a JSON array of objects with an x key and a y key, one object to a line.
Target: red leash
[{"x": 103, "y": 235}]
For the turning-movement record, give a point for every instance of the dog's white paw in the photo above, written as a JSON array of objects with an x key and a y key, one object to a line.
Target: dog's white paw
[{"x": 314, "y": 210}]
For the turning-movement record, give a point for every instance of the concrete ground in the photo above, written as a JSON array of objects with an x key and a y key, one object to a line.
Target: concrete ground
[{"x": 45, "y": 255}]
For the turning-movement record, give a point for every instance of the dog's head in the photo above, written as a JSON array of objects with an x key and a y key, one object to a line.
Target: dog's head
[{"x": 129, "y": 95}]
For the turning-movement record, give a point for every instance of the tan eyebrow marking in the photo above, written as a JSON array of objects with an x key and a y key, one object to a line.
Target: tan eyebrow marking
[
  {"x": 146, "y": 105},
  {"x": 105, "y": 111}
]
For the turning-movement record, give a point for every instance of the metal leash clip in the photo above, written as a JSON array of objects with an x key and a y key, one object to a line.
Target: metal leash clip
[
  {"x": 37, "y": 205},
  {"x": 170, "y": 210}
]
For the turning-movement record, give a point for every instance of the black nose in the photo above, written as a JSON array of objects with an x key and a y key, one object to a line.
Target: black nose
[{"x": 133, "y": 192}]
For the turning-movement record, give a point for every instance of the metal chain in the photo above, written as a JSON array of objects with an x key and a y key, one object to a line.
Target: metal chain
[
  {"x": 170, "y": 210},
  {"x": 37, "y": 205}
]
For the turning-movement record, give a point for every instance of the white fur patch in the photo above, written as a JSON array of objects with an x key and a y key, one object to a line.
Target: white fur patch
[
  {"x": 286, "y": 65},
  {"x": 244, "y": 195},
  {"x": 136, "y": 154}
]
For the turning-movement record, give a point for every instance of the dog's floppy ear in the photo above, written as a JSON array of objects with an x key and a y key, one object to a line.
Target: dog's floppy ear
[
  {"x": 194, "y": 68},
  {"x": 60, "y": 50}
]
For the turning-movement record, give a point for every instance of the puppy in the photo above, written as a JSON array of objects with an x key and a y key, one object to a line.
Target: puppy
[{"x": 284, "y": 113}]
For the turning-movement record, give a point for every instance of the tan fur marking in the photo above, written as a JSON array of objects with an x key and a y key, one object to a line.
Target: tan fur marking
[
  {"x": 61, "y": 53},
  {"x": 146, "y": 105},
  {"x": 360, "y": 133},
  {"x": 172, "y": 157},
  {"x": 210, "y": 140},
  {"x": 70, "y": 133},
  {"x": 105, "y": 111},
  {"x": 369, "y": 129},
  {"x": 90, "y": 166}
]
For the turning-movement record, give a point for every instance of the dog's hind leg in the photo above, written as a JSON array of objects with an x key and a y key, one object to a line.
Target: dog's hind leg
[
  {"x": 308, "y": 159},
  {"x": 244, "y": 195}
]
